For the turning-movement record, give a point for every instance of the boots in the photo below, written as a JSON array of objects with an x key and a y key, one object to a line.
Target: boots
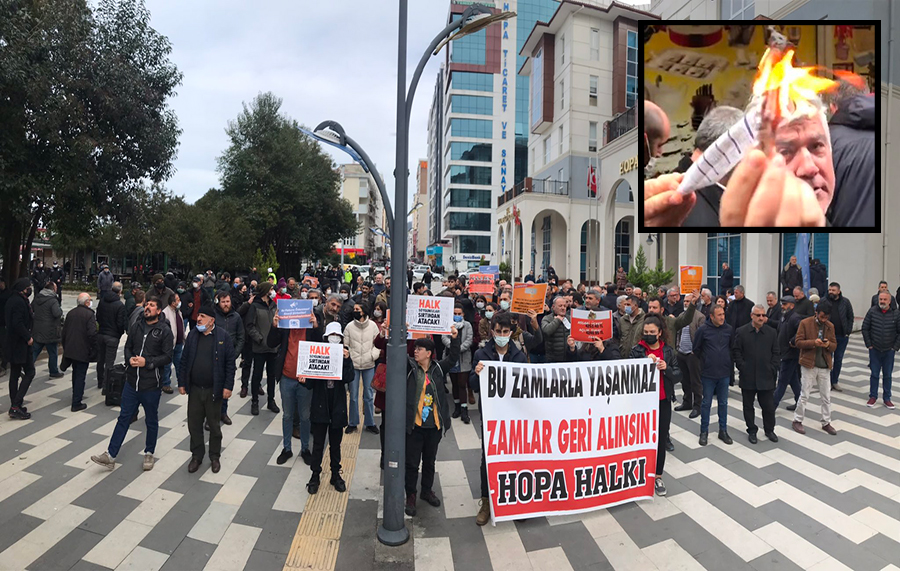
[
  {"x": 456, "y": 410},
  {"x": 471, "y": 397},
  {"x": 312, "y": 486},
  {"x": 410, "y": 505},
  {"x": 484, "y": 513},
  {"x": 465, "y": 415}
]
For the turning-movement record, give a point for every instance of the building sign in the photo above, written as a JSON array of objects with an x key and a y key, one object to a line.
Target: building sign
[
  {"x": 507, "y": 98},
  {"x": 628, "y": 165}
]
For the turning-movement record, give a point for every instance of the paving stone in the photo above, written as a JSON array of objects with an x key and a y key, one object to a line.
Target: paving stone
[
  {"x": 261, "y": 560},
  {"x": 279, "y": 530},
  {"x": 168, "y": 534},
  {"x": 191, "y": 554},
  {"x": 68, "y": 551}
]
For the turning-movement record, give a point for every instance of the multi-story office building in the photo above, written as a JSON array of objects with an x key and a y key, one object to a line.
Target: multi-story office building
[
  {"x": 478, "y": 134},
  {"x": 418, "y": 232},
  {"x": 358, "y": 188}
]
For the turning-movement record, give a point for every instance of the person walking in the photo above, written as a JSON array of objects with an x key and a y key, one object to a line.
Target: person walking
[
  {"x": 260, "y": 317},
  {"x": 459, "y": 374},
  {"x": 883, "y": 286},
  {"x": 726, "y": 281},
  {"x": 80, "y": 343},
  {"x": 230, "y": 322},
  {"x": 147, "y": 350},
  {"x": 653, "y": 345},
  {"x": 842, "y": 319},
  {"x": 789, "y": 368},
  {"x": 427, "y": 416},
  {"x": 172, "y": 315},
  {"x": 112, "y": 324},
  {"x": 19, "y": 346},
  {"x": 881, "y": 334},
  {"x": 359, "y": 338},
  {"x": 104, "y": 281},
  {"x": 713, "y": 345},
  {"x": 816, "y": 341},
  {"x": 756, "y": 357},
  {"x": 206, "y": 376},
  {"x": 47, "y": 317},
  {"x": 328, "y": 415},
  {"x": 803, "y": 306}
]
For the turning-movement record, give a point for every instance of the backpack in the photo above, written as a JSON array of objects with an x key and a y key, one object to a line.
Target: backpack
[{"x": 115, "y": 382}]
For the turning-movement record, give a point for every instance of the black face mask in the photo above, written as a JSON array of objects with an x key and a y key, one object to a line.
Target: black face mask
[
  {"x": 357, "y": 315},
  {"x": 160, "y": 285},
  {"x": 650, "y": 339}
]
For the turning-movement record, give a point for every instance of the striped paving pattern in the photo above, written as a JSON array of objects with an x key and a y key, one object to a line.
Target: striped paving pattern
[{"x": 813, "y": 502}]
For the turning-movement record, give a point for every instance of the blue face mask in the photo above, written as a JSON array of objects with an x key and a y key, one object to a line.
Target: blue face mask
[
  {"x": 628, "y": 309},
  {"x": 201, "y": 328},
  {"x": 457, "y": 318}
]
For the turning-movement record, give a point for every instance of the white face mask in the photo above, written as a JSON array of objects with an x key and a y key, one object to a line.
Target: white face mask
[
  {"x": 504, "y": 305},
  {"x": 479, "y": 305},
  {"x": 377, "y": 313},
  {"x": 315, "y": 302},
  {"x": 345, "y": 296},
  {"x": 178, "y": 305},
  {"x": 196, "y": 285},
  {"x": 303, "y": 295},
  {"x": 334, "y": 339},
  {"x": 272, "y": 293}
]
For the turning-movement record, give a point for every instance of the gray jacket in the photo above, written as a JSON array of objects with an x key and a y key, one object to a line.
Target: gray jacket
[
  {"x": 555, "y": 336},
  {"x": 259, "y": 321},
  {"x": 465, "y": 346},
  {"x": 47, "y": 315},
  {"x": 105, "y": 281}
]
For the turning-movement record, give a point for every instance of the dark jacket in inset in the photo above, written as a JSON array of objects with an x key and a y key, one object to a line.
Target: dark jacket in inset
[
  {"x": 738, "y": 313},
  {"x": 111, "y": 315},
  {"x": 47, "y": 314},
  {"x": 853, "y": 153},
  {"x": 277, "y": 341},
  {"x": 756, "y": 357},
  {"x": 881, "y": 329},
  {"x": 842, "y": 313},
  {"x": 589, "y": 352},
  {"x": 555, "y": 335},
  {"x": 223, "y": 361},
  {"x": 726, "y": 281},
  {"x": 79, "y": 336},
  {"x": 804, "y": 307},
  {"x": 774, "y": 315},
  {"x": 155, "y": 344},
  {"x": 818, "y": 278},
  {"x": 672, "y": 374},
  {"x": 791, "y": 277}
]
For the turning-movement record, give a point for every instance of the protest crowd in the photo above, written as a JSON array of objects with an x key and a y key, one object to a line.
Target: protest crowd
[{"x": 196, "y": 337}]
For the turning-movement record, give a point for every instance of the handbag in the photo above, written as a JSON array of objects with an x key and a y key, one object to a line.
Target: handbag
[{"x": 380, "y": 379}]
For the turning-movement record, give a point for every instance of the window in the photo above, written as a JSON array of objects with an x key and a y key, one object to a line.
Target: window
[
  {"x": 470, "y": 175},
  {"x": 471, "y": 104},
  {"x": 560, "y": 181},
  {"x": 547, "y": 151},
  {"x": 623, "y": 192},
  {"x": 532, "y": 160},
  {"x": 592, "y": 91},
  {"x": 477, "y": 221},
  {"x": 818, "y": 248},
  {"x": 738, "y": 10},
  {"x": 469, "y": 49},
  {"x": 537, "y": 88},
  {"x": 562, "y": 94},
  {"x": 545, "y": 258},
  {"x": 562, "y": 50},
  {"x": 560, "y": 140},
  {"x": 595, "y": 44},
  {"x": 478, "y": 128},
  {"x": 592, "y": 136},
  {"x": 468, "y": 198},
  {"x": 470, "y": 151},
  {"x": 631, "y": 71},
  {"x": 474, "y": 244},
  {"x": 623, "y": 244},
  {"x": 720, "y": 248},
  {"x": 472, "y": 81}
]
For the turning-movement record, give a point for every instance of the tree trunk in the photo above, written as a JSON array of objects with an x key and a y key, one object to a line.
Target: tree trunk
[
  {"x": 26, "y": 247},
  {"x": 11, "y": 239}
]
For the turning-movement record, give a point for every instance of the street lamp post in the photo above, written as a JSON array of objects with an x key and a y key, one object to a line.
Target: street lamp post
[{"x": 393, "y": 530}]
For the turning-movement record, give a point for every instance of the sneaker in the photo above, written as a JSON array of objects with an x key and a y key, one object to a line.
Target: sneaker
[
  {"x": 410, "y": 507},
  {"x": 484, "y": 512},
  {"x": 105, "y": 460},
  {"x": 871, "y": 402},
  {"x": 431, "y": 498},
  {"x": 79, "y": 406},
  {"x": 313, "y": 485},
  {"x": 273, "y": 407},
  {"x": 792, "y": 407},
  {"x": 350, "y": 430},
  {"x": 168, "y": 390},
  {"x": 889, "y": 404},
  {"x": 373, "y": 429},
  {"x": 254, "y": 408},
  {"x": 339, "y": 484},
  {"x": 284, "y": 456},
  {"x": 306, "y": 455},
  {"x": 723, "y": 436},
  {"x": 56, "y": 375},
  {"x": 660, "y": 486},
  {"x": 837, "y": 387},
  {"x": 829, "y": 429},
  {"x": 19, "y": 413},
  {"x": 149, "y": 461},
  {"x": 703, "y": 438},
  {"x": 798, "y": 427},
  {"x": 226, "y": 419}
]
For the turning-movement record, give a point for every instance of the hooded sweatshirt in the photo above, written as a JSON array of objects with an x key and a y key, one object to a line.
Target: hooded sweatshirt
[{"x": 853, "y": 153}]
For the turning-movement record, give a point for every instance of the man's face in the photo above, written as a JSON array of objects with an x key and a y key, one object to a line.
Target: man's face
[
  {"x": 629, "y": 291},
  {"x": 770, "y": 300},
  {"x": 834, "y": 290},
  {"x": 333, "y": 306},
  {"x": 882, "y": 287},
  {"x": 225, "y": 303},
  {"x": 653, "y": 307},
  {"x": 738, "y": 294},
  {"x": 785, "y": 307},
  {"x": 707, "y": 298},
  {"x": 292, "y": 284},
  {"x": 591, "y": 301},
  {"x": 759, "y": 318},
  {"x": 822, "y": 317},
  {"x": 673, "y": 297},
  {"x": 559, "y": 306},
  {"x": 420, "y": 290},
  {"x": 151, "y": 310},
  {"x": 313, "y": 295},
  {"x": 505, "y": 297},
  {"x": 379, "y": 279},
  {"x": 718, "y": 316},
  {"x": 807, "y": 153},
  {"x": 884, "y": 300},
  {"x": 798, "y": 294},
  {"x": 793, "y": 260}
]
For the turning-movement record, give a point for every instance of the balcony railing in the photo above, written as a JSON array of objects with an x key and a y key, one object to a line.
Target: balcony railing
[
  {"x": 535, "y": 186},
  {"x": 618, "y": 126}
]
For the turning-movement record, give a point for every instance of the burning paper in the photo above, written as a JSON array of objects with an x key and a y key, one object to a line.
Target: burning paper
[{"x": 780, "y": 92}]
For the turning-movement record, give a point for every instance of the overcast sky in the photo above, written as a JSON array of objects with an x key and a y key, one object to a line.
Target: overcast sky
[{"x": 335, "y": 59}]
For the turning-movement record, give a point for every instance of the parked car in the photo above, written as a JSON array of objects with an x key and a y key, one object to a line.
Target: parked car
[{"x": 363, "y": 271}]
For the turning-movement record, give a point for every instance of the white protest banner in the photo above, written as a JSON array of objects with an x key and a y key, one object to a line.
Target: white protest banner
[
  {"x": 568, "y": 438},
  {"x": 320, "y": 360},
  {"x": 426, "y": 314}
]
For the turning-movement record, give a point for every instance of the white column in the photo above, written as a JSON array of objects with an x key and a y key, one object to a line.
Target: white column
[{"x": 758, "y": 273}]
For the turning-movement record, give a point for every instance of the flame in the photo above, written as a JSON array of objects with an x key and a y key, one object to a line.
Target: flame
[{"x": 792, "y": 86}]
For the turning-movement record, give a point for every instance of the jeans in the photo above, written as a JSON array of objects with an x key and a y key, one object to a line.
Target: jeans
[
  {"x": 719, "y": 388},
  {"x": 880, "y": 361},
  {"x": 295, "y": 401},
  {"x": 177, "y": 350},
  {"x": 838, "y": 359},
  {"x": 52, "y": 356},
  {"x": 79, "y": 373},
  {"x": 765, "y": 403},
  {"x": 368, "y": 397},
  {"x": 131, "y": 399},
  {"x": 788, "y": 374},
  {"x": 203, "y": 407},
  {"x": 106, "y": 357},
  {"x": 819, "y": 377},
  {"x": 421, "y": 445}
]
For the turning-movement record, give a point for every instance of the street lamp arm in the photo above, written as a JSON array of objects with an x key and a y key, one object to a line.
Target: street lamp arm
[
  {"x": 388, "y": 212},
  {"x": 451, "y": 27}
]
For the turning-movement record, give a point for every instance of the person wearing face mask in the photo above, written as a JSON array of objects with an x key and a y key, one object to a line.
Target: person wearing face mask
[
  {"x": 347, "y": 304},
  {"x": 816, "y": 341},
  {"x": 281, "y": 290},
  {"x": 497, "y": 348},
  {"x": 842, "y": 319},
  {"x": 172, "y": 315},
  {"x": 527, "y": 334},
  {"x": 112, "y": 323},
  {"x": 128, "y": 295},
  {"x": 359, "y": 338},
  {"x": 631, "y": 324},
  {"x": 881, "y": 334},
  {"x": 229, "y": 321},
  {"x": 459, "y": 373},
  {"x": 18, "y": 346},
  {"x": 653, "y": 345},
  {"x": 379, "y": 314},
  {"x": 79, "y": 338},
  {"x": 147, "y": 350},
  {"x": 160, "y": 290},
  {"x": 207, "y": 377},
  {"x": 259, "y": 321},
  {"x": 328, "y": 416},
  {"x": 384, "y": 296},
  {"x": 484, "y": 326}
]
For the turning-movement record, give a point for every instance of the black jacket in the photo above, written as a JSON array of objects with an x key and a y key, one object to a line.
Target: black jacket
[
  {"x": 588, "y": 352},
  {"x": 738, "y": 313},
  {"x": 609, "y": 302},
  {"x": 155, "y": 344},
  {"x": 791, "y": 277},
  {"x": 672, "y": 374},
  {"x": 19, "y": 324},
  {"x": 223, "y": 361},
  {"x": 818, "y": 278},
  {"x": 881, "y": 330},
  {"x": 756, "y": 357},
  {"x": 774, "y": 315},
  {"x": 111, "y": 315},
  {"x": 278, "y": 339},
  {"x": 713, "y": 345},
  {"x": 726, "y": 281},
  {"x": 232, "y": 324},
  {"x": 842, "y": 314},
  {"x": 853, "y": 153},
  {"x": 489, "y": 353},
  {"x": 790, "y": 322},
  {"x": 804, "y": 307},
  {"x": 259, "y": 322},
  {"x": 329, "y": 406},
  {"x": 437, "y": 372},
  {"x": 79, "y": 336},
  {"x": 675, "y": 309},
  {"x": 706, "y": 211}
]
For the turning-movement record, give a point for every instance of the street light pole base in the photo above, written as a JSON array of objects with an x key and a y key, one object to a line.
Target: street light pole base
[{"x": 393, "y": 538}]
